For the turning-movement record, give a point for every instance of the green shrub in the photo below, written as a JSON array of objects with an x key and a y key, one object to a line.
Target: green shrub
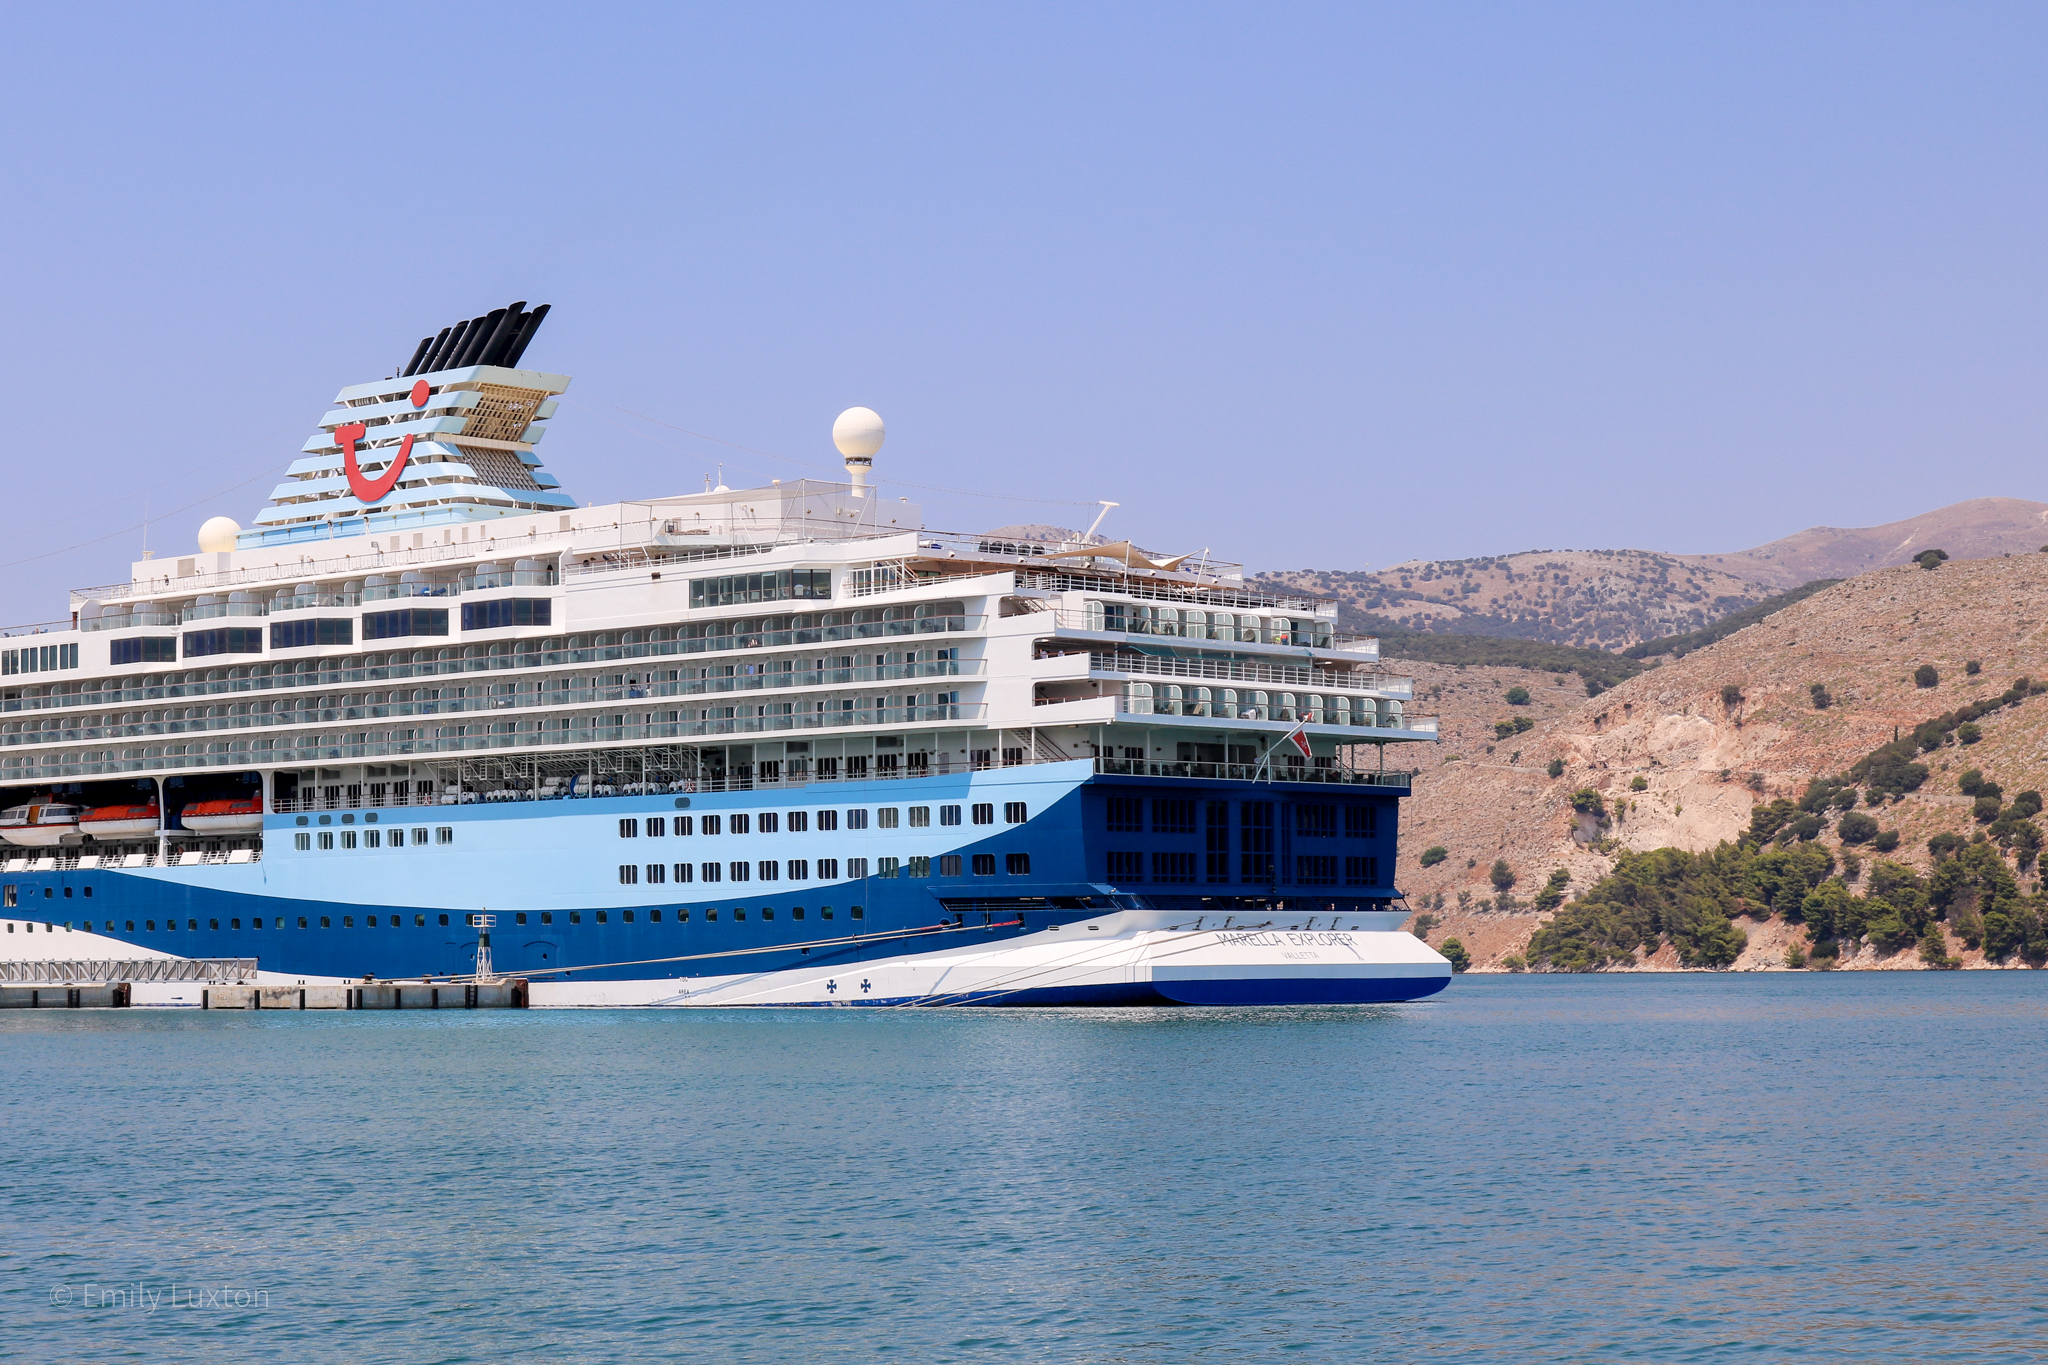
[
  {"x": 1856, "y": 828},
  {"x": 1926, "y": 676},
  {"x": 1455, "y": 951},
  {"x": 1886, "y": 841},
  {"x": 1795, "y": 957},
  {"x": 1434, "y": 855},
  {"x": 1639, "y": 783},
  {"x": 1946, "y": 845},
  {"x": 2027, "y": 805},
  {"x": 1556, "y": 768},
  {"x": 1969, "y": 780},
  {"x": 1514, "y": 962},
  {"x": 1985, "y": 809},
  {"x": 1731, "y": 695},
  {"x": 1552, "y": 894},
  {"x": 1586, "y": 801},
  {"x": 1501, "y": 875},
  {"x": 1423, "y": 924},
  {"x": 1518, "y": 696},
  {"x": 1805, "y": 829},
  {"x": 1822, "y": 700},
  {"x": 1930, "y": 559},
  {"x": 1974, "y": 667},
  {"x": 1969, "y": 732},
  {"x": 1515, "y": 725},
  {"x": 1934, "y": 950}
]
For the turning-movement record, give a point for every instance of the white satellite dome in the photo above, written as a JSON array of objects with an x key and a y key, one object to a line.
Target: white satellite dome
[
  {"x": 217, "y": 536},
  {"x": 858, "y": 432}
]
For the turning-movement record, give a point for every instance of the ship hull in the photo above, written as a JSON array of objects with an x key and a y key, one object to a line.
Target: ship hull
[{"x": 934, "y": 930}]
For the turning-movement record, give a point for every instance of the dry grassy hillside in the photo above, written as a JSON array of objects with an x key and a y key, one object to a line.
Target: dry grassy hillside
[
  {"x": 1705, "y": 763},
  {"x": 1597, "y": 599},
  {"x": 1981, "y": 528}
]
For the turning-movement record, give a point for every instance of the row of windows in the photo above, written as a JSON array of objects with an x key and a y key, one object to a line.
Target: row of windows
[
  {"x": 10, "y": 897},
  {"x": 38, "y": 659},
  {"x": 370, "y": 838},
  {"x": 799, "y": 869},
  {"x": 799, "y": 821},
  {"x": 788, "y": 584},
  {"x": 1309, "y": 869},
  {"x": 1172, "y": 815},
  {"x": 546, "y": 917}
]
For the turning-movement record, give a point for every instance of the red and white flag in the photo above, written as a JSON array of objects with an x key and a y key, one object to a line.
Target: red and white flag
[{"x": 1300, "y": 738}]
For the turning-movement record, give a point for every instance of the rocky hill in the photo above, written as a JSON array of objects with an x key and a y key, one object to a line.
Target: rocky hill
[
  {"x": 1612, "y": 599},
  {"x": 1682, "y": 755}
]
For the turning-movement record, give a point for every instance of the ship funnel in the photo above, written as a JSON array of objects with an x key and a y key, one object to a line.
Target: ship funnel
[{"x": 858, "y": 433}]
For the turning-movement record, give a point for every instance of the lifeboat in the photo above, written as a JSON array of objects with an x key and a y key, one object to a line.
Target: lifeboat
[
  {"x": 43, "y": 824},
  {"x": 212, "y": 817},
  {"x": 119, "y": 822}
]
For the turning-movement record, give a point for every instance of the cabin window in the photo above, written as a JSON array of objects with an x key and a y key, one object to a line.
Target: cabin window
[
  {"x": 657, "y": 873},
  {"x": 419, "y": 836},
  {"x": 856, "y": 868},
  {"x": 444, "y": 835},
  {"x": 1017, "y": 864},
  {"x": 799, "y": 869},
  {"x": 885, "y": 817},
  {"x": 768, "y": 870},
  {"x": 828, "y": 869},
  {"x": 373, "y": 838},
  {"x": 985, "y": 865},
  {"x": 684, "y": 872},
  {"x": 738, "y": 914},
  {"x": 739, "y": 823},
  {"x": 921, "y": 816},
  {"x": 629, "y": 829},
  {"x": 887, "y": 867},
  {"x": 326, "y": 839},
  {"x": 711, "y": 872},
  {"x": 984, "y": 813},
  {"x": 656, "y": 827},
  {"x": 444, "y": 921},
  {"x": 303, "y": 843},
  {"x": 739, "y": 871},
  {"x": 682, "y": 825},
  {"x": 653, "y": 916},
  {"x": 348, "y": 838},
  {"x": 856, "y": 912},
  {"x": 420, "y": 921},
  {"x": 519, "y": 918},
  {"x": 629, "y": 875},
  {"x": 798, "y": 821},
  {"x": 711, "y": 916},
  {"x": 856, "y": 819},
  {"x": 949, "y": 865},
  {"x": 828, "y": 820},
  {"x": 796, "y": 912},
  {"x": 768, "y": 821},
  {"x": 711, "y": 824}
]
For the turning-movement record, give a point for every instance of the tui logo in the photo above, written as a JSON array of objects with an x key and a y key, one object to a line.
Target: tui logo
[{"x": 369, "y": 490}]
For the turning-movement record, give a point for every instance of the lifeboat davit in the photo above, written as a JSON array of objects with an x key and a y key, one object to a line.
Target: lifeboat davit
[
  {"x": 119, "y": 822},
  {"x": 213, "y": 817},
  {"x": 43, "y": 824}
]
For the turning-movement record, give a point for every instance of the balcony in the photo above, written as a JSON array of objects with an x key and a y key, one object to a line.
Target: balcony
[
  {"x": 1276, "y": 771},
  {"x": 128, "y": 620}
]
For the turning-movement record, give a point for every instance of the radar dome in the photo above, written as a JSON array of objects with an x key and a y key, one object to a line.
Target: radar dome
[
  {"x": 217, "y": 536},
  {"x": 858, "y": 432}
]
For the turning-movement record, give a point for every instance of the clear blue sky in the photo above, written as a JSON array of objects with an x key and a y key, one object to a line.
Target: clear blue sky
[{"x": 1313, "y": 286}]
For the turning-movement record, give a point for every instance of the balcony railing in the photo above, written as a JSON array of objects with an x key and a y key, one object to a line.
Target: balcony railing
[
  {"x": 215, "y": 610},
  {"x": 1275, "y": 771},
  {"x": 130, "y": 620},
  {"x": 385, "y": 592},
  {"x": 1234, "y": 670}
]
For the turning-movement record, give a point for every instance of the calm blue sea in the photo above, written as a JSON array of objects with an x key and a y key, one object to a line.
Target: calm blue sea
[{"x": 1826, "y": 1168}]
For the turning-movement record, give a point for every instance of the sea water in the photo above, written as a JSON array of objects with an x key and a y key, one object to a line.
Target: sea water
[{"x": 1788, "y": 1167}]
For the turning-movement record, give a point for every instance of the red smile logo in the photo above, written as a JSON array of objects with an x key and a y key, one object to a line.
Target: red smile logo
[{"x": 368, "y": 490}]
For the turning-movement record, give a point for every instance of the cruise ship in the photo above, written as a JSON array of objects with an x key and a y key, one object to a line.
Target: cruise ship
[{"x": 427, "y": 719}]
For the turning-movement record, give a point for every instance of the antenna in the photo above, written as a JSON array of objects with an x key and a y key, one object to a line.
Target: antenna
[{"x": 1085, "y": 535}]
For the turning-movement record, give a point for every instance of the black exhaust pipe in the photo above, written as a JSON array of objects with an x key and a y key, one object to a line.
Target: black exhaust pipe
[
  {"x": 479, "y": 332},
  {"x": 444, "y": 359},
  {"x": 433, "y": 357},
  {"x": 417, "y": 357},
  {"x": 501, "y": 335},
  {"x": 518, "y": 347}
]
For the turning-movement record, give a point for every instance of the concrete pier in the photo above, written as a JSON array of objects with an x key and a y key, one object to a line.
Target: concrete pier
[
  {"x": 382, "y": 995},
  {"x": 110, "y": 996}
]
